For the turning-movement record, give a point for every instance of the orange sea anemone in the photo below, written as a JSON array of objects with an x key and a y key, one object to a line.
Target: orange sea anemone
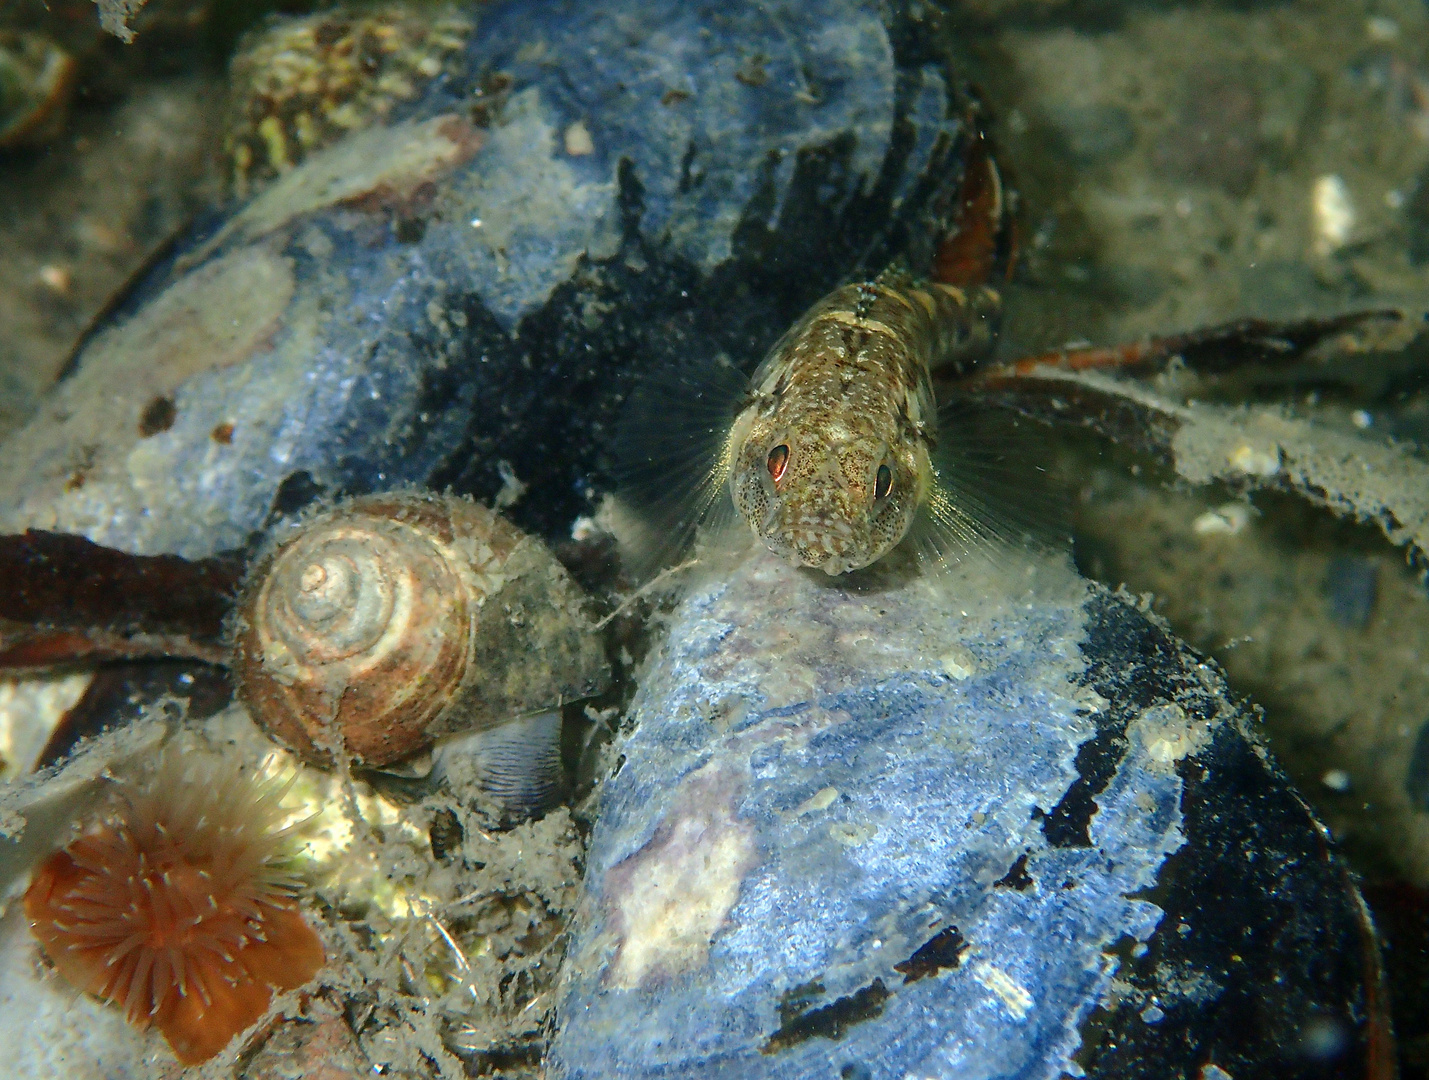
[{"x": 179, "y": 905}]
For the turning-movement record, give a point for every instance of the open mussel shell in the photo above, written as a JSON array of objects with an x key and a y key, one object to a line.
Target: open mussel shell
[
  {"x": 957, "y": 829},
  {"x": 514, "y": 769},
  {"x": 392, "y": 620}
]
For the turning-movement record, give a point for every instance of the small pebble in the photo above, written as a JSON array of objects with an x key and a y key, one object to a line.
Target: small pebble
[
  {"x": 820, "y": 800},
  {"x": 959, "y": 664},
  {"x": 1361, "y": 419},
  {"x": 55, "y": 278},
  {"x": 1336, "y": 780},
  {"x": 1254, "y": 461},
  {"x": 578, "y": 140},
  {"x": 1227, "y": 520},
  {"x": 1332, "y": 213}
]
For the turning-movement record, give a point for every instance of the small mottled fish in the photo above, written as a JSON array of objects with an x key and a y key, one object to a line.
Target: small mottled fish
[
  {"x": 832, "y": 453},
  {"x": 832, "y": 461}
]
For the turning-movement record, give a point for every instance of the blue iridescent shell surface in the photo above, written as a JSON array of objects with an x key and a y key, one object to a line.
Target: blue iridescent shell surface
[
  {"x": 995, "y": 828},
  {"x": 470, "y": 290}
]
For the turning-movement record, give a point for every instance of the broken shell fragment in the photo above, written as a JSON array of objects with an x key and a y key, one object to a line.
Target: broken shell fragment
[{"x": 394, "y": 619}]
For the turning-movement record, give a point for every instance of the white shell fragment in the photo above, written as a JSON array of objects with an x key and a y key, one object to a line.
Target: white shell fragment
[{"x": 1332, "y": 214}]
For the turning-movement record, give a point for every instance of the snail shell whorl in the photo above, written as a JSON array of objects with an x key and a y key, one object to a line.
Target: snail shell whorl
[{"x": 363, "y": 626}]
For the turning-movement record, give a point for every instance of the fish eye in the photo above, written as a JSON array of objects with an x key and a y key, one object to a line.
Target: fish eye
[
  {"x": 778, "y": 461},
  {"x": 883, "y": 482}
]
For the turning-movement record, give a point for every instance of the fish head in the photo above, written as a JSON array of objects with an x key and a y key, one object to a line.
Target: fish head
[{"x": 825, "y": 494}]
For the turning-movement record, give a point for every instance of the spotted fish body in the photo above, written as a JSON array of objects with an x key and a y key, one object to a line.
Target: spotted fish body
[{"x": 832, "y": 460}]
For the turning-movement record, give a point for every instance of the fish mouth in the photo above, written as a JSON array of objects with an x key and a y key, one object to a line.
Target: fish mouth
[{"x": 821, "y": 543}]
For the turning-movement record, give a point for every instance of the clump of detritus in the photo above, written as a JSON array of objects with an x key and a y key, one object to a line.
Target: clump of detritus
[
  {"x": 449, "y": 968},
  {"x": 300, "y": 84},
  {"x": 114, "y": 16}
]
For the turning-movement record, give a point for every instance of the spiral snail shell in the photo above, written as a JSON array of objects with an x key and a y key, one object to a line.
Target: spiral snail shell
[{"x": 394, "y": 619}]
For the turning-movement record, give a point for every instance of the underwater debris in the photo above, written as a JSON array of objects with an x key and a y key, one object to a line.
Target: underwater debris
[
  {"x": 65, "y": 599},
  {"x": 1353, "y": 475},
  {"x": 114, "y": 16},
  {"x": 37, "y": 80}
]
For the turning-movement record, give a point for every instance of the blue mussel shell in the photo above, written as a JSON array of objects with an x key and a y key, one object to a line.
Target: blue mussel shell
[
  {"x": 955, "y": 830},
  {"x": 470, "y": 291}
]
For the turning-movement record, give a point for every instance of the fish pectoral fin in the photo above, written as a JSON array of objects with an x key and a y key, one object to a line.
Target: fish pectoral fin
[{"x": 672, "y": 460}]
